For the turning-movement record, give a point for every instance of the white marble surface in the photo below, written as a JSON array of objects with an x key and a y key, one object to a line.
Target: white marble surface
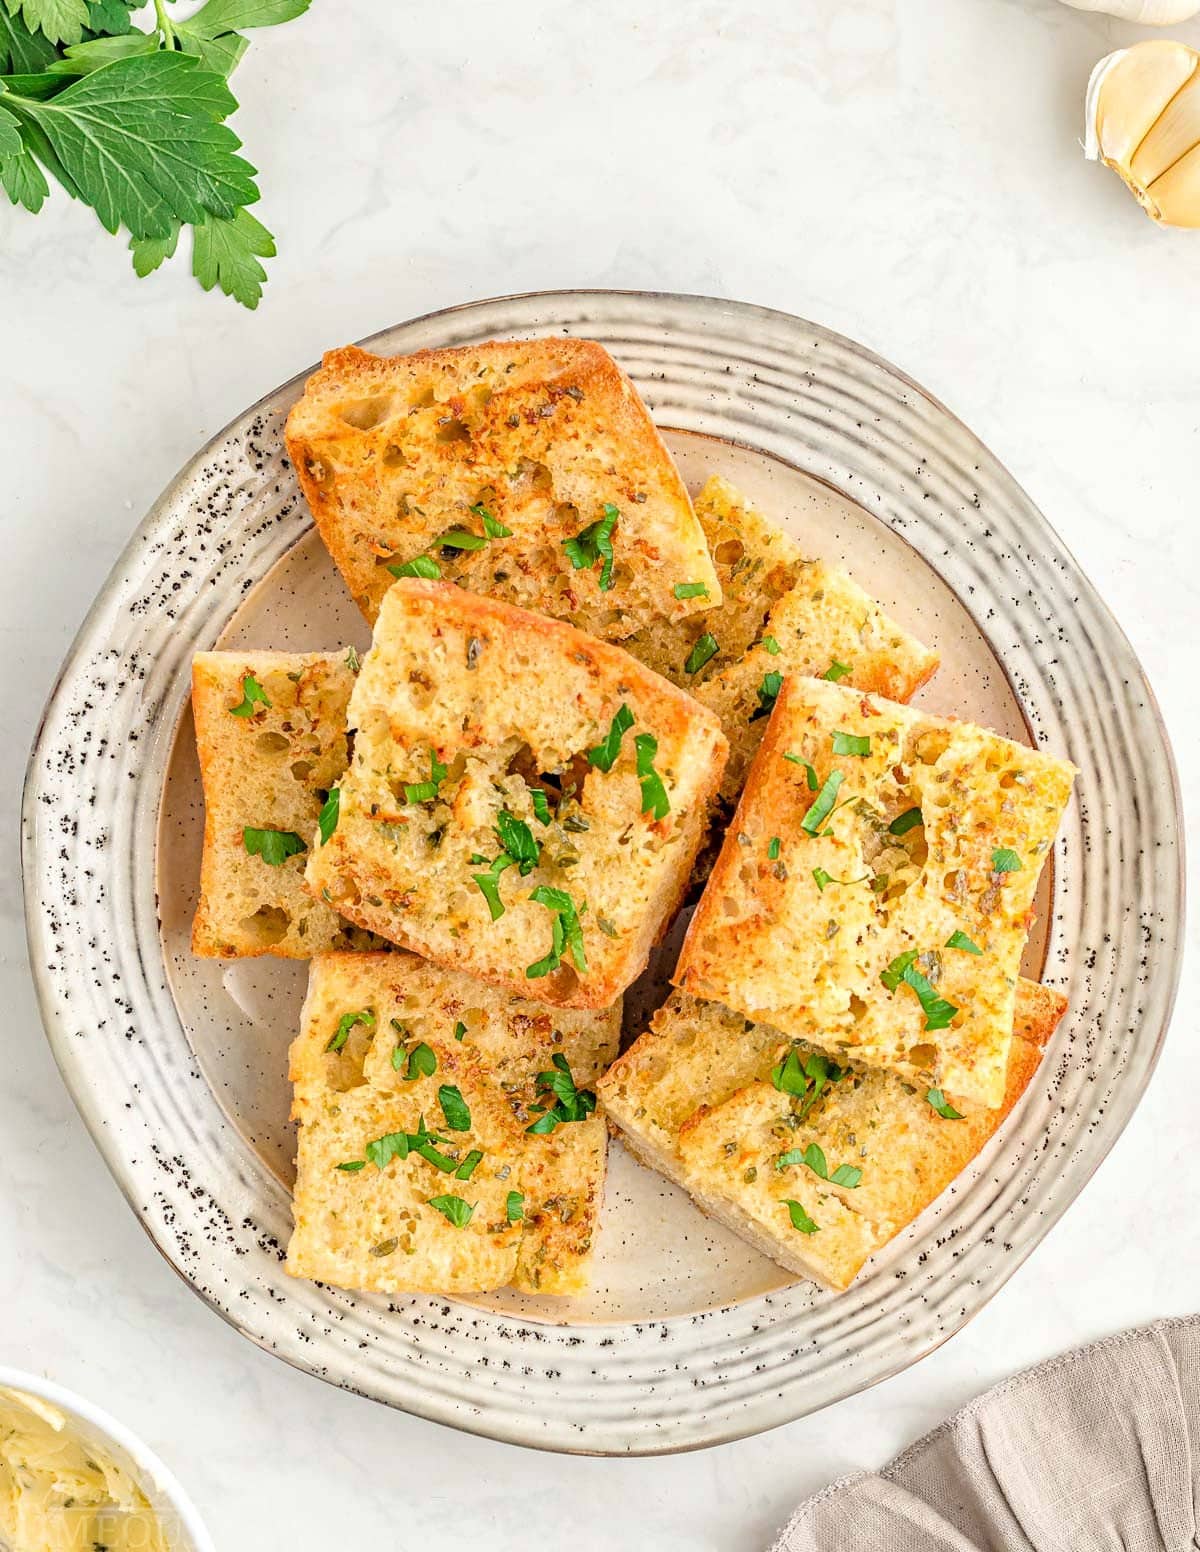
[{"x": 903, "y": 170}]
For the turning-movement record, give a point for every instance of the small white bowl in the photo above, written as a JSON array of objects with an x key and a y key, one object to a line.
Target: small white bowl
[{"x": 184, "y": 1531}]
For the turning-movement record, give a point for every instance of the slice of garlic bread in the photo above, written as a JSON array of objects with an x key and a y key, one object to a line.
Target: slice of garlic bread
[
  {"x": 723, "y": 1107},
  {"x": 524, "y": 802},
  {"x": 872, "y": 894},
  {"x": 780, "y": 614},
  {"x": 271, "y": 737},
  {"x": 527, "y": 469},
  {"x": 414, "y": 1089}
]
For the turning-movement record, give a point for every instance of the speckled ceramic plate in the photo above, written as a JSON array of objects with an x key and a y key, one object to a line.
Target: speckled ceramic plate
[{"x": 687, "y": 1337}]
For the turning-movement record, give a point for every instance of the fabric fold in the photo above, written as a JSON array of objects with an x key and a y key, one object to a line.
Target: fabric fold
[{"x": 1094, "y": 1451}]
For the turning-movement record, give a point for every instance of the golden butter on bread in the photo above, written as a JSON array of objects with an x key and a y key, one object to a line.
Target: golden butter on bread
[
  {"x": 271, "y": 738},
  {"x": 527, "y": 469},
  {"x": 704, "y": 1096},
  {"x": 524, "y": 802},
  {"x": 873, "y": 892},
  {"x": 393, "y": 1047}
]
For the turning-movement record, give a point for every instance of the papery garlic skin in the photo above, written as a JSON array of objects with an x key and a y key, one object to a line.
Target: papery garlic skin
[
  {"x": 1151, "y": 13},
  {"x": 1143, "y": 120}
]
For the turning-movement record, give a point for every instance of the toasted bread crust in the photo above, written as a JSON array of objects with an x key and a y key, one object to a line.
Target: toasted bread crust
[
  {"x": 806, "y": 953},
  {"x": 498, "y": 697},
  {"x": 693, "y": 1099},
  {"x": 543, "y": 434},
  {"x": 490, "y": 1047}
]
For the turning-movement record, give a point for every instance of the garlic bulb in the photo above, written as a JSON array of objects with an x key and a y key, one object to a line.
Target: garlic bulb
[
  {"x": 1153, "y": 13},
  {"x": 1143, "y": 121}
]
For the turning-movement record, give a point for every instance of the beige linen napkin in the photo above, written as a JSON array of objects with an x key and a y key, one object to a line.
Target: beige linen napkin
[{"x": 1096, "y": 1451}]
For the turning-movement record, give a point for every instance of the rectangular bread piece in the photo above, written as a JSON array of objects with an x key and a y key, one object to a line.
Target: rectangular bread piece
[
  {"x": 781, "y": 613},
  {"x": 695, "y": 1099},
  {"x": 271, "y": 737},
  {"x": 404, "y": 1031},
  {"x": 482, "y": 823},
  {"x": 538, "y": 454},
  {"x": 872, "y": 895}
]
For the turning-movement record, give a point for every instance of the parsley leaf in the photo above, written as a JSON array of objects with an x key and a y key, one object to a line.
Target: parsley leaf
[
  {"x": 460, "y": 1030},
  {"x": 541, "y": 805},
  {"x": 772, "y": 646},
  {"x": 327, "y": 819},
  {"x": 252, "y": 693},
  {"x": 469, "y": 1165},
  {"x": 454, "y": 1108},
  {"x": 604, "y": 755},
  {"x": 492, "y": 526},
  {"x": 773, "y": 847},
  {"x": 846, "y": 1175},
  {"x": 908, "y": 820},
  {"x": 489, "y": 883},
  {"x": 894, "y": 974},
  {"x": 851, "y": 743},
  {"x": 690, "y": 590},
  {"x": 426, "y": 791},
  {"x": 571, "y": 1103},
  {"x": 346, "y": 1023},
  {"x": 594, "y": 543},
  {"x": 566, "y": 932},
  {"x": 62, "y": 21},
  {"x": 516, "y": 839},
  {"x": 943, "y": 1107},
  {"x": 225, "y": 253},
  {"x": 654, "y": 794},
  {"x": 939, "y": 1013},
  {"x": 420, "y": 566},
  {"x": 822, "y": 804},
  {"x": 768, "y": 694},
  {"x": 805, "y": 1080},
  {"x": 1005, "y": 860},
  {"x": 420, "y": 1062},
  {"x": 381, "y": 1152},
  {"x": 960, "y": 940},
  {"x": 273, "y": 846},
  {"x": 460, "y": 539},
  {"x": 24, "y": 50},
  {"x": 514, "y": 1207},
  {"x": 800, "y": 1219},
  {"x": 836, "y": 671},
  {"x": 810, "y": 771},
  {"x": 454, "y": 1208},
  {"x": 703, "y": 651},
  {"x": 352, "y": 1166}
]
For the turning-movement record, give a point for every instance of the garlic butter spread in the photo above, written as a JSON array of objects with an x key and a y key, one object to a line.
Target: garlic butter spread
[{"x": 58, "y": 1493}]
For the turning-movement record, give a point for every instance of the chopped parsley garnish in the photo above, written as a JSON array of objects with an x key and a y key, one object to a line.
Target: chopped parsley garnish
[
  {"x": 805, "y": 1080},
  {"x": 772, "y": 646},
  {"x": 703, "y": 651},
  {"x": 1005, "y": 860},
  {"x": 489, "y": 882},
  {"x": 352, "y": 1166},
  {"x": 943, "y": 1107},
  {"x": 690, "y": 590},
  {"x": 365, "y": 1017},
  {"x": 454, "y": 1208},
  {"x": 381, "y": 1152},
  {"x": 492, "y": 526},
  {"x": 894, "y": 974},
  {"x": 420, "y": 1062},
  {"x": 514, "y": 1207},
  {"x": 822, "y": 804},
  {"x": 420, "y": 566},
  {"x": 836, "y": 671},
  {"x": 469, "y": 1165},
  {"x": 460, "y": 1030},
  {"x": 426, "y": 791},
  {"x": 813, "y": 1157},
  {"x": 353, "y": 661},
  {"x": 810, "y": 771},
  {"x": 604, "y": 755},
  {"x": 570, "y": 1103},
  {"x": 566, "y": 932},
  {"x": 594, "y": 543},
  {"x": 773, "y": 846},
  {"x": 454, "y": 1107},
  {"x": 654, "y": 795},
  {"x": 460, "y": 539},
  {"x": 800, "y": 1219},
  {"x": 938, "y": 1012},
  {"x": 960, "y": 940},
  {"x": 252, "y": 693},
  {"x": 398, "y": 1145},
  {"x": 908, "y": 820},
  {"x": 327, "y": 819},
  {"x": 516, "y": 840},
  {"x": 851, "y": 743},
  {"x": 768, "y": 694},
  {"x": 273, "y": 846},
  {"x": 541, "y": 806}
]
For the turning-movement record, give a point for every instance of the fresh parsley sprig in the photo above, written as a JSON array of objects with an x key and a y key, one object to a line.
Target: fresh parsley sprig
[{"x": 132, "y": 123}]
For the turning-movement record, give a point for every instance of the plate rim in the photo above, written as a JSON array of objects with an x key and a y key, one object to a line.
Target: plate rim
[{"x": 467, "y": 1417}]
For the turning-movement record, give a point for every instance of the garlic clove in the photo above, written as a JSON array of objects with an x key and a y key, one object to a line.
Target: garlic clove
[
  {"x": 1176, "y": 193},
  {"x": 1172, "y": 135},
  {"x": 1126, "y": 95}
]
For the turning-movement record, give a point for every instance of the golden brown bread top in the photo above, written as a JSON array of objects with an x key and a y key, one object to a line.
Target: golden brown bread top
[{"x": 523, "y": 445}]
